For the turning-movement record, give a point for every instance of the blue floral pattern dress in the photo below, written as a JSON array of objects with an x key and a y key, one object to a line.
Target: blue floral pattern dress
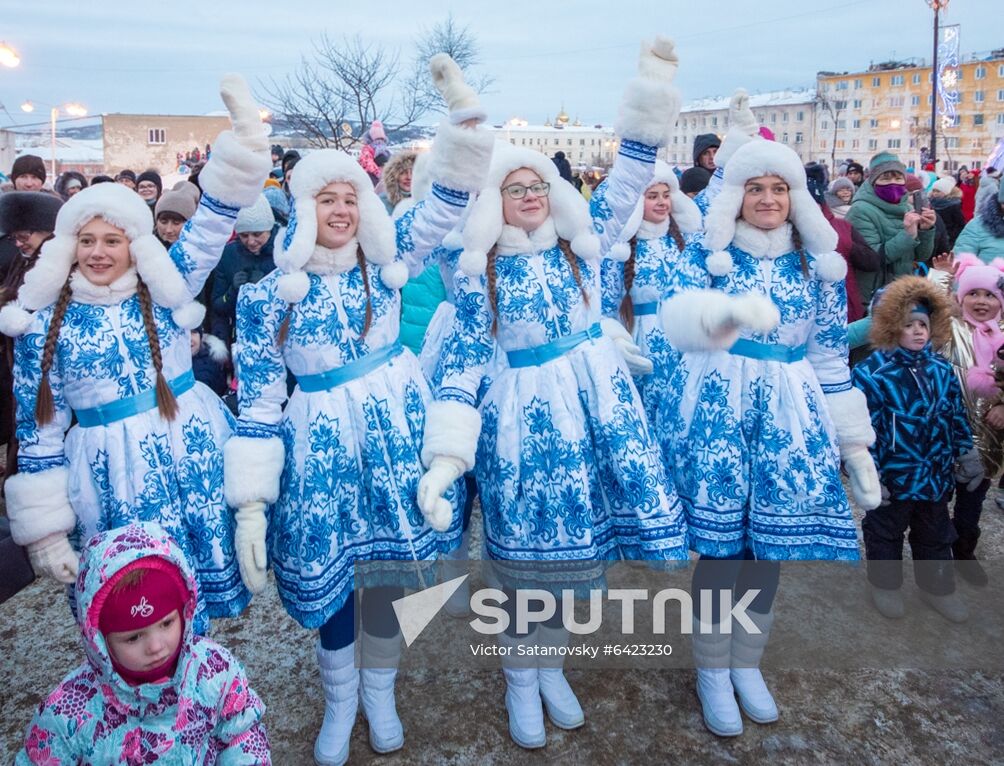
[
  {"x": 142, "y": 467},
  {"x": 567, "y": 468},
  {"x": 755, "y": 450},
  {"x": 349, "y": 483}
]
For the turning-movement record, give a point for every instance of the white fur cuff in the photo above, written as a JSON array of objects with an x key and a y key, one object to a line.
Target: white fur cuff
[
  {"x": 38, "y": 505},
  {"x": 234, "y": 174},
  {"x": 849, "y": 413},
  {"x": 14, "y": 320},
  {"x": 648, "y": 111},
  {"x": 461, "y": 157},
  {"x": 451, "y": 429},
  {"x": 251, "y": 469}
]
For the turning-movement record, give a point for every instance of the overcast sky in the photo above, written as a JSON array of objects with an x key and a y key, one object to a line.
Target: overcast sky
[{"x": 166, "y": 57}]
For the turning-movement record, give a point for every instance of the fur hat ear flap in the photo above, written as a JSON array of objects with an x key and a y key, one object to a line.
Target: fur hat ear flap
[
  {"x": 830, "y": 267},
  {"x": 14, "y": 320},
  {"x": 720, "y": 222},
  {"x": 818, "y": 236},
  {"x": 189, "y": 316},
  {"x": 572, "y": 221},
  {"x": 719, "y": 263},
  {"x": 377, "y": 233},
  {"x": 44, "y": 282},
  {"x": 482, "y": 231},
  {"x": 686, "y": 213},
  {"x": 394, "y": 275},
  {"x": 158, "y": 271},
  {"x": 293, "y": 287},
  {"x": 473, "y": 263},
  {"x": 586, "y": 245},
  {"x": 299, "y": 237}
]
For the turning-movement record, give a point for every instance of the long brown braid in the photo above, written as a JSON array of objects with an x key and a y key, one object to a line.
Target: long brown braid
[
  {"x": 45, "y": 408},
  {"x": 796, "y": 241},
  {"x": 167, "y": 404},
  {"x": 627, "y": 305},
  {"x": 492, "y": 277},
  {"x": 283, "y": 333}
]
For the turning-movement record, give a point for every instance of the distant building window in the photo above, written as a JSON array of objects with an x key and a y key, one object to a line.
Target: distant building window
[
  {"x": 784, "y": 138},
  {"x": 916, "y": 79},
  {"x": 914, "y": 100},
  {"x": 841, "y": 124},
  {"x": 773, "y": 118},
  {"x": 1000, "y": 95},
  {"x": 784, "y": 116},
  {"x": 897, "y": 79},
  {"x": 823, "y": 143},
  {"x": 714, "y": 122},
  {"x": 981, "y": 72},
  {"x": 857, "y": 103},
  {"x": 978, "y": 97},
  {"x": 1000, "y": 70},
  {"x": 842, "y": 85},
  {"x": 876, "y": 82},
  {"x": 840, "y": 105},
  {"x": 952, "y": 142},
  {"x": 156, "y": 136},
  {"x": 892, "y": 143},
  {"x": 1000, "y": 118},
  {"x": 857, "y": 84},
  {"x": 977, "y": 119},
  {"x": 798, "y": 138},
  {"x": 856, "y": 124},
  {"x": 826, "y": 125},
  {"x": 799, "y": 116},
  {"x": 895, "y": 101},
  {"x": 854, "y": 143},
  {"x": 872, "y": 123},
  {"x": 873, "y": 143}
]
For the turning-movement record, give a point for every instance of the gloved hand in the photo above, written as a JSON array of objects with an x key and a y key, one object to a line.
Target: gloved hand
[
  {"x": 461, "y": 100},
  {"x": 249, "y": 540},
  {"x": 240, "y": 278},
  {"x": 753, "y": 312},
  {"x": 637, "y": 363},
  {"x": 54, "y": 557},
  {"x": 658, "y": 59},
  {"x": 864, "y": 477},
  {"x": 248, "y": 128},
  {"x": 740, "y": 114},
  {"x": 442, "y": 472},
  {"x": 970, "y": 470}
]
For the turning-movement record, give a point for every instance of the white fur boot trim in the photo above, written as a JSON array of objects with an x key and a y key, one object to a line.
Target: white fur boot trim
[
  {"x": 251, "y": 469},
  {"x": 38, "y": 505}
]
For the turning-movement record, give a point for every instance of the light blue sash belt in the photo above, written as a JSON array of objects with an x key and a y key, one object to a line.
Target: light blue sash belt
[
  {"x": 646, "y": 309},
  {"x": 325, "y": 381},
  {"x": 768, "y": 352},
  {"x": 538, "y": 355},
  {"x": 106, "y": 414}
]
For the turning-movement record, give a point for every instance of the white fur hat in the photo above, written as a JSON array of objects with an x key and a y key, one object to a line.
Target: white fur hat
[
  {"x": 760, "y": 157},
  {"x": 120, "y": 207},
  {"x": 569, "y": 210},
  {"x": 376, "y": 233}
]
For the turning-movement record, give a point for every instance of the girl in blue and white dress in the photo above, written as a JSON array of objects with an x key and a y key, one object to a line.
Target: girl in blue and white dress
[
  {"x": 567, "y": 470},
  {"x": 655, "y": 269},
  {"x": 341, "y": 463},
  {"x": 767, "y": 411},
  {"x": 104, "y": 320}
]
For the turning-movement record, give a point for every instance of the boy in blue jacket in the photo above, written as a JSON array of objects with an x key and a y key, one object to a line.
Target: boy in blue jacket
[{"x": 922, "y": 433}]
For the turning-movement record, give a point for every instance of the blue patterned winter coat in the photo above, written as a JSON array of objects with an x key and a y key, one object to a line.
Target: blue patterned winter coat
[
  {"x": 206, "y": 714},
  {"x": 919, "y": 418}
]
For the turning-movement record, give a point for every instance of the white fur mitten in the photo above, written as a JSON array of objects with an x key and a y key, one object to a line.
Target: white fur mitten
[
  {"x": 244, "y": 116},
  {"x": 249, "y": 542},
  {"x": 863, "y": 476},
  {"x": 443, "y": 471},
  {"x": 740, "y": 114},
  {"x": 651, "y": 103},
  {"x": 658, "y": 59},
  {"x": 638, "y": 364},
  {"x": 460, "y": 97},
  {"x": 53, "y": 557}
]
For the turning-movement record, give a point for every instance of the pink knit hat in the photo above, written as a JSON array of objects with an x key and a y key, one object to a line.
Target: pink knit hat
[
  {"x": 376, "y": 131},
  {"x": 974, "y": 274}
]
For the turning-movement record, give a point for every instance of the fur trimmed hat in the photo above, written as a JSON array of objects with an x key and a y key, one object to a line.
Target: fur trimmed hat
[
  {"x": 376, "y": 233},
  {"x": 569, "y": 210},
  {"x": 758, "y": 158},
  {"x": 891, "y": 312},
  {"x": 123, "y": 208},
  {"x": 28, "y": 211},
  {"x": 683, "y": 210}
]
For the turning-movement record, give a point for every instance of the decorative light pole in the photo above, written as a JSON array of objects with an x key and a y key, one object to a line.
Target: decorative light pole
[
  {"x": 72, "y": 109},
  {"x": 938, "y": 6}
]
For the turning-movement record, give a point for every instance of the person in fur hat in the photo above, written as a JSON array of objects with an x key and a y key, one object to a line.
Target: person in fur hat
[
  {"x": 975, "y": 338},
  {"x": 654, "y": 269},
  {"x": 922, "y": 431},
  {"x": 767, "y": 411},
  {"x": 102, "y": 325},
  {"x": 557, "y": 473},
  {"x": 351, "y": 431}
]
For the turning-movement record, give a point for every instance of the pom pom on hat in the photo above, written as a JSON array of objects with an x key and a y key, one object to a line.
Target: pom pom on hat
[
  {"x": 189, "y": 316},
  {"x": 831, "y": 267},
  {"x": 293, "y": 287},
  {"x": 620, "y": 252},
  {"x": 394, "y": 275},
  {"x": 473, "y": 262},
  {"x": 719, "y": 263}
]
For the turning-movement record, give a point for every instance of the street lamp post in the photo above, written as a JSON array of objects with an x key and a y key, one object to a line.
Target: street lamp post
[
  {"x": 938, "y": 6},
  {"x": 72, "y": 109},
  {"x": 8, "y": 56}
]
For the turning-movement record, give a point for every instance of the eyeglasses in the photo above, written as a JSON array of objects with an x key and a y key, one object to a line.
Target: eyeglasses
[
  {"x": 20, "y": 237},
  {"x": 518, "y": 191}
]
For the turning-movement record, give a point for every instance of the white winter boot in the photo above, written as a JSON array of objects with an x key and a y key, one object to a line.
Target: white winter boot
[
  {"x": 380, "y": 658},
  {"x": 559, "y": 700},
  {"x": 456, "y": 564},
  {"x": 714, "y": 686},
  {"x": 340, "y": 679},
  {"x": 747, "y": 649},
  {"x": 522, "y": 694}
]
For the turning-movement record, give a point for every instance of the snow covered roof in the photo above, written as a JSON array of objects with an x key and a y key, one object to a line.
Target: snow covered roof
[
  {"x": 789, "y": 97},
  {"x": 67, "y": 149}
]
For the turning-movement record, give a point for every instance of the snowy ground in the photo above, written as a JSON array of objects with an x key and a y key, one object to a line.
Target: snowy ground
[{"x": 863, "y": 716}]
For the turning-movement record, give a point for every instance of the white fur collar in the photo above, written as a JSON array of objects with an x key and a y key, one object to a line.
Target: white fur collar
[
  {"x": 763, "y": 243},
  {"x": 649, "y": 230},
  {"x": 515, "y": 240},
  {"x": 326, "y": 261},
  {"x": 85, "y": 291}
]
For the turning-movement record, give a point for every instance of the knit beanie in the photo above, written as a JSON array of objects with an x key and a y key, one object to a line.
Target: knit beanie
[
  {"x": 973, "y": 274},
  {"x": 694, "y": 180},
  {"x": 257, "y": 217},
  {"x": 841, "y": 183},
  {"x": 855, "y": 167},
  {"x": 131, "y": 175},
  {"x": 376, "y": 131},
  {"x": 152, "y": 176},
  {"x": 921, "y": 312},
  {"x": 944, "y": 185},
  {"x": 28, "y": 164},
  {"x": 28, "y": 211},
  {"x": 278, "y": 201},
  {"x": 157, "y": 592},
  {"x": 178, "y": 202},
  {"x": 883, "y": 162},
  {"x": 913, "y": 183},
  {"x": 187, "y": 187}
]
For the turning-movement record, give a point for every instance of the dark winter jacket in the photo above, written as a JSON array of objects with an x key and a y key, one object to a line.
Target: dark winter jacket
[
  {"x": 210, "y": 364},
  {"x": 563, "y": 166},
  {"x": 919, "y": 419},
  {"x": 236, "y": 259},
  {"x": 859, "y": 257},
  {"x": 949, "y": 210}
]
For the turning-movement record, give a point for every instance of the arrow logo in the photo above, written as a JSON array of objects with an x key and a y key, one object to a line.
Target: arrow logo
[{"x": 416, "y": 611}]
